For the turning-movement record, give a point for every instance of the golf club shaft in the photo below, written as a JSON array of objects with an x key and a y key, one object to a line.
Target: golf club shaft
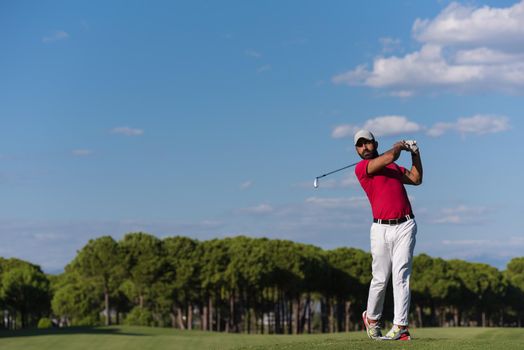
[{"x": 334, "y": 171}]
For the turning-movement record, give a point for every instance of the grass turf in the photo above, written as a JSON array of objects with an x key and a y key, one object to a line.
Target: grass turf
[{"x": 130, "y": 338}]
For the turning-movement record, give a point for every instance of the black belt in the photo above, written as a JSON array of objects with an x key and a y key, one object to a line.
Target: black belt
[{"x": 394, "y": 221}]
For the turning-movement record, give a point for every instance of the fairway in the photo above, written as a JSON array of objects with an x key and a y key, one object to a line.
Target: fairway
[{"x": 129, "y": 338}]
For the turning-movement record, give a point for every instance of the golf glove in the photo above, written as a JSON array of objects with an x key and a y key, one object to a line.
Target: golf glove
[{"x": 412, "y": 145}]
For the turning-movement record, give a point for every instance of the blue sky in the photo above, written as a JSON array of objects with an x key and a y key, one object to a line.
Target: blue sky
[{"x": 211, "y": 119}]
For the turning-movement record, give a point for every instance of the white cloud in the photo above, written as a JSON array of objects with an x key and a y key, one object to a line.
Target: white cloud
[
  {"x": 53, "y": 244},
  {"x": 391, "y": 125},
  {"x": 259, "y": 209},
  {"x": 379, "y": 126},
  {"x": 339, "y": 203},
  {"x": 402, "y": 93},
  {"x": 482, "y": 124},
  {"x": 415, "y": 70},
  {"x": 496, "y": 252},
  {"x": 127, "y": 131},
  {"x": 48, "y": 236},
  {"x": 349, "y": 180},
  {"x": 510, "y": 241},
  {"x": 467, "y": 26},
  {"x": 478, "y": 124},
  {"x": 245, "y": 185},
  {"x": 467, "y": 242},
  {"x": 356, "y": 76},
  {"x": 55, "y": 36},
  {"x": 438, "y": 129},
  {"x": 389, "y": 44},
  {"x": 81, "y": 152},
  {"x": 483, "y": 55},
  {"x": 345, "y": 130},
  {"x": 463, "y": 49},
  {"x": 324, "y": 183},
  {"x": 462, "y": 215},
  {"x": 324, "y": 222}
]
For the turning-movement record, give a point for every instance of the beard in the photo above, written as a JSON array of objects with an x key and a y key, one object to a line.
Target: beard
[{"x": 369, "y": 155}]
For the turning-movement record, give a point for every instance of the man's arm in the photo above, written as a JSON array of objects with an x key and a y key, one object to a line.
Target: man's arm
[
  {"x": 379, "y": 163},
  {"x": 414, "y": 175}
]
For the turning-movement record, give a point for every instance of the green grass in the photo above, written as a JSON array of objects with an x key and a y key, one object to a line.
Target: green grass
[{"x": 130, "y": 338}]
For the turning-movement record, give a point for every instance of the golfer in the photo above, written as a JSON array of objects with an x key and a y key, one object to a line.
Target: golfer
[{"x": 393, "y": 230}]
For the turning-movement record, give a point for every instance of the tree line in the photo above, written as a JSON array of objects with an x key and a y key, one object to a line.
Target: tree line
[{"x": 251, "y": 285}]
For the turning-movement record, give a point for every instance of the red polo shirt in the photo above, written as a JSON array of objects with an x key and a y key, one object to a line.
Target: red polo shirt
[{"x": 385, "y": 190}]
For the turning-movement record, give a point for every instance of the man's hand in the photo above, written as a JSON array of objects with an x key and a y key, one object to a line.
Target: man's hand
[
  {"x": 412, "y": 146},
  {"x": 403, "y": 146}
]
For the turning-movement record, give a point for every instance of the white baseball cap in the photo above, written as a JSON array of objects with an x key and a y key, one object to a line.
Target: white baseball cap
[{"x": 363, "y": 134}]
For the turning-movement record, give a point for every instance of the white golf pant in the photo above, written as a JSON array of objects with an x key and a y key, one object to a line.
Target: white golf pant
[{"x": 392, "y": 251}]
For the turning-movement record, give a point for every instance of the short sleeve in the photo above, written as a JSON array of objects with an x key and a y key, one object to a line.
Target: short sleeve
[{"x": 361, "y": 169}]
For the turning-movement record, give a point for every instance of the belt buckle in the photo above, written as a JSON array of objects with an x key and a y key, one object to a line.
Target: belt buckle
[{"x": 393, "y": 222}]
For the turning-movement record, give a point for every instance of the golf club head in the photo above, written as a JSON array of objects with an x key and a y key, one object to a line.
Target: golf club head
[{"x": 315, "y": 183}]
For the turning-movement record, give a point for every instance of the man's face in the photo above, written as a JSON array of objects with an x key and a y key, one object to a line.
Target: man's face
[{"x": 366, "y": 149}]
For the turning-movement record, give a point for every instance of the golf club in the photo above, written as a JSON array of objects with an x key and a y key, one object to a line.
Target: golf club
[
  {"x": 315, "y": 183},
  {"x": 412, "y": 145}
]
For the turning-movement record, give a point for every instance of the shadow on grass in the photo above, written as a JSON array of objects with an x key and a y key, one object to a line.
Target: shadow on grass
[{"x": 65, "y": 331}]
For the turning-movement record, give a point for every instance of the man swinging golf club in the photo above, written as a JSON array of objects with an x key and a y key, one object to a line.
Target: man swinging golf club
[{"x": 393, "y": 230}]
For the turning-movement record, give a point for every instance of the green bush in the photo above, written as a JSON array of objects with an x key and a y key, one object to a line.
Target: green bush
[
  {"x": 45, "y": 322},
  {"x": 89, "y": 320},
  {"x": 139, "y": 317}
]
